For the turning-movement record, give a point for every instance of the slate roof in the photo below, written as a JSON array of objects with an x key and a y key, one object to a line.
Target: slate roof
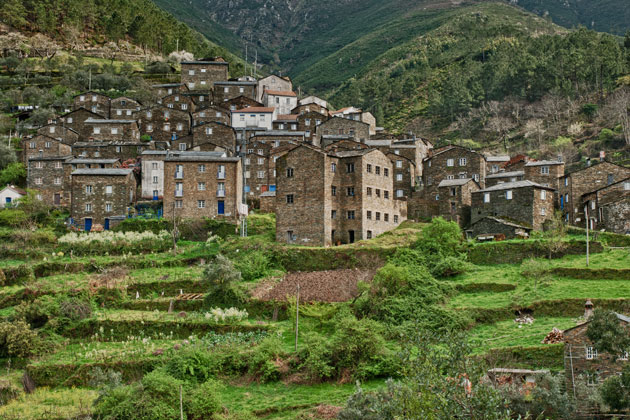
[
  {"x": 513, "y": 185},
  {"x": 103, "y": 171},
  {"x": 505, "y": 174},
  {"x": 454, "y": 182}
]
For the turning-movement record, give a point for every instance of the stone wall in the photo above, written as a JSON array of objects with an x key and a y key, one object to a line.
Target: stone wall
[
  {"x": 199, "y": 75},
  {"x": 46, "y": 176},
  {"x": 358, "y": 130},
  {"x": 93, "y": 101},
  {"x": 43, "y": 146},
  {"x": 163, "y": 124},
  {"x": 455, "y": 162}
]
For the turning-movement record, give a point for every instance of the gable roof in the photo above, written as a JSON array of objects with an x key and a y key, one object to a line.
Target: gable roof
[
  {"x": 15, "y": 189},
  {"x": 513, "y": 185},
  {"x": 455, "y": 182},
  {"x": 256, "y": 109},
  {"x": 620, "y": 317},
  {"x": 280, "y": 92},
  {"x": 103, "y": 171},
  {"x": 626, "y": 179},
  {"x": 503, "y": 222},
  {"x": 544, "y": 163},
  {"x": 594, "y": 166}
]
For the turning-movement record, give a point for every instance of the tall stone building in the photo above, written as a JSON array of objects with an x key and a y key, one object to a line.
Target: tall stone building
[
  {"x": 60, "y": 132},
  {"x": 43, "y": 146},
  {"x": 454, "y": 199},
  {"x": 203, "y": 184},
  {"x": 524, "y": 202},
  {"x": 101, "y": 196},
  {"x": 75, "y": 121},
  {"x": 46, "y": 175},
  {"x": 163, "y": 124},
  {"x": 609, "y": 207},
  {"x": 342, "y": 197},
  {"x": 201, "y": 74},
  {"x": 123, "y": 108},
  {"x": 545, "y": 172},
  {"x": 178, "y": 101},
  {"x": 113, "y": 130},
  {"x": 357, "y": 130},
  {"x": 208, "y": 136},
  {"x": 230, "y": 89},
  {"x": 273, "y": 82},
  {"x": 95, "y": 102}
]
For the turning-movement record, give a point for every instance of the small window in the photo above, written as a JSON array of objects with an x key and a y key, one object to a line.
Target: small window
[
  {"x": 209, "y": 130},
  {"x": 114, "y": 130},
  {"x": 154, "y": 165},
  {"x": 543, "y": 194},
  {"x": 89, "y": 189},
  {"x": 108, "y": 189},
  {"x": 369, "y": 168},
  {"x": 395, "y": 218},
  {"x": 543, "y": 212},
  {"x": 47, "y": 145},
  {"x": 57, "y": 181},
  {"x": 385, "y": 171},
  {"x": 508, "y": 195},
  {"x": 333, "y": 214},
  {"x": 179, "y": 204},
  {"x": 450, "y": 162},
  {"x": 261, "y": 161},
  {"x": 486, "y": 197},
  {"x": 155, "y": 179},
  {"x": 349, "y": 168},
  {"x": 399, "y": 177},
  {"x": 88, "y": 207},
  {"x": 544, "y": 170},
  {"x": 377, "y": 170},
  {"x": 333, "y": 190},
  {"x": 289, "y": 172},
  {"x": 201, "y": 186},
  {"x": 261, "y": 174},
  {"x": 626, "y": 186},
  {"x": 182, "y": 146},
  {"x": 289, "y": 198},
  {"x": 350, "y": 214},
  {"x": 333, "y": 166},
  {"x": 201, "y": 204},
  {"x": 386, "y": 194},
  {"x": 463, "y": 161},
  {"x": 97, "y": 130},
  {"x": 378, "y": 215},
  {"x": 119, "y": 112},
  {"x": 369, "y": 234},
  {"x": 108, "y": 207},
  {"x": 399, "y": 163},
  {"x": 591, "y": 353},
  {"x": 369, "y": 191},
  {"x": 350, "y": 191},
  {"x": 368, "y": 215},
  {"x": 400, "y": 193},
  {"x": 378, "y": 193},
  {"x": 386, "y": 217}
]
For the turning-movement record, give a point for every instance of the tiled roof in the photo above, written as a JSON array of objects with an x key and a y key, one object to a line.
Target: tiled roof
[
  {"x": 505, "y": 174},
  {"x": 544, "y": 163},
  {"x": 498, "y": 158},
  {"x": 103, "y": 171},
  {"x": 287, "y": 117},
  {"x": 454, "y": 182},
  {"x": 256, "y": 109},
  {"x": 513, "y": 185},
  {"x": 280, "y": 92}
]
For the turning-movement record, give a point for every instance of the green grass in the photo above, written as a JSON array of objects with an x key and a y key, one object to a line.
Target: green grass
[
  {"x": 47, "y": 404},
  {"x": 509, "y": 333}
]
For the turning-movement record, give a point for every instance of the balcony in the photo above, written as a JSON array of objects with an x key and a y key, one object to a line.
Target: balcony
[
  {"x": 221, "y": 175},
  {"x": 220, "y": 193},
  {"x": 179, "y": 193},
  {"x": 179, "y": 175}
]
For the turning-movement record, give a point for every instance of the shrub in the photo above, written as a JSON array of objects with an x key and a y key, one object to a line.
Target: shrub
[
  {"x": 143, "y": 225},
  {"x": 13, "y": 218},
  {"x": 193, "y": 365},
  {"x": 222, "y": 281},
  {"x": 114, "y": 242},
  {"x": 253, "y": 265},
  {"x": 75, "y": 309},
  {"x": 17, "y": 339},
  {"x": 228, "y": 316},
  {"x": 260, "y": 361},
  {"x": 20, "y": 274},
  {"x": 204, "y": 401}
]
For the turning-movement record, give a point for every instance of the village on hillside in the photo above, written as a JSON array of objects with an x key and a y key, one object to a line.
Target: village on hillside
[{"x": 217, "y": 147}]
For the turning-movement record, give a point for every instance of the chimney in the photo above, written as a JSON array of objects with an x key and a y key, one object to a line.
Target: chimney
[
  {"x": 588, "y": 309},
  {"x": 588, "y": 162},
  {"x": 559, "y": 158}
]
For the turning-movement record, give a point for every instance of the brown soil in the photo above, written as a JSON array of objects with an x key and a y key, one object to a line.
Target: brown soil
[{"x": 316, "y": 286}]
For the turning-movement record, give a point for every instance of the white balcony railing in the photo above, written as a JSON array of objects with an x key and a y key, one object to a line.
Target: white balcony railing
[
  {"x": 221, "y": 175},
  {"x": 220, "y": 193},
  {"x": 179, "y": 175},
  {"x": 179, "y": 193}
]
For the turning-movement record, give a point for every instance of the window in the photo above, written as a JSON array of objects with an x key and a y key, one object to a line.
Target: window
[
  {"x": 453, "y": 192},
  {"x": 82, "y": 98},
  {"x": 247, "y": 161},
  {"x": 154, "y": 165},
  {"x": 155, "y": 179},
  {"x": 349, "y": 168},
  {"x": 386, "y": 194},
  {"x": 544, "y": 170},
  {"x": 261, "y": 174},
  {"x": 289, "y": 198},
  {"x": 369, "y": 191},
  {"x": 97, "y": 154},
  {"x": 94, "y": 98},
  {"x": 149, "y": 114},
  {"x": 395, "y": 218},
  {"x": 626, "y": 186},
  {"x": 369, "y": 168},
  {"x": 261, "y": 161},
  {"x": 591, "y": 353},
  {"x": 369, "y": 234},
  {"x": 149, "y": 127},
  {"x": 399, "y": 177},
  {"x": 261, "y": 151},
  {"x": 201, "y": 186},
  {"x": 385, "y": 171},
  {"x": 246, "y": 174},
  {"x": 191, "y": 72},
  {"x": 333, "y": 167},
  {"x": 108, "y": 189},
  {"x": 450, "y": 162},
  {"x": 333, "y": 214},
  {"x": 97, "y": 130},
  {"x": 167, "y": 127},
  {"x": 378, "y": 192},
  {"x": 88, "y": 207},
  {"x": 476, "y": 177},
  {"x": 307, "y": 121},
  {"x": 241, "y": 90},
  {"x": 378, "y": 215},
  {"x": 350, "y": 191},
  {"x": 543, "y": 195},
  {"x": 400, "y": 193},
  {"x": 462, "y": 161},
  {"x": 129, "y": 112},
  {"x": 437, "y": 197},
  {"x": 399, "y": 163},
  {"x": 386, "y": 217},
  {"x": 377, "y": 170},
  {"x": 182, "y": 146},
  {"x": 114, "y": 130},
  {"x": 369, "y": 215},
  {"x": 57, "y": 181},
  {"x": 47, "y": 145},
  {"x": 31, "y": 145},
  {"x": 39, "y": 165},
  {"x": 543, "y": 212},
  {"x": 179, "y": 204},
  {"x": 611, "y": 179},
  {"x": 249, "y": 151},
  {"x": 201, "y": 204},
  {"x": 508, "y": 195},
  {"x": 58, "y": 165},
  {"x": 180, "y": 127},
  {"x": 242, "y": 117},
  {"x": 108, "y": 207},
  {"x": 89, "y": 189},
  {"x": 486, "y": 197},
  {"x": 226, "y": 90},
  {"x": 333, "y": 190},
  {"x": 350, "y": 214},
  {"x": 289, "y": 172}
]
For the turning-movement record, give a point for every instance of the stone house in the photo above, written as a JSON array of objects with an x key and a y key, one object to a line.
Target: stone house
[
  {"x": 545, "y": 172},
  {"x": 226, "y": 90},
  {"x": 582, "y": 360},
  {"x": 283, "y": 101},
  {"x": 578, "y": 183},
  {"x": 609, "y": 207},
  {"x": 152, "y": 179},
  {"x": 201, "y": 74},
  {"x": 268, "y": 202},
  {"x": 241, "y": 102},
  {"x": 72, "y": 164},
  {"x": 179, "y": 102},
  {"x": 404, "y": 175},
  {"x": 274, "y": 83},
  {"x": 327, "y": 198},
  {"x": 101, "y": 196},
  {"x": 452, "y": 162},
  {"x": 46, "y": 176},
  {"x": 211, "y": 113},
  {"x": 523, "y": 202},
  {"x": 492, "y": 227},
  {"x": 109, "y": 150},
  {"x": 113, "y": 130},
  {"x": 455, "y": 199},
  {"x": 357, "y": 130},
  {"x": 496, "y": 163},
  {"x": 254, "y": 117},
  {"x": 215, "y": 134},
  {"x": 163, "y": 124},
  {"x": 286, "y": 122},
  {"x": 200, "y": 99},
  {"x": 10, "y": 195},
  {"x": 203, "y": 184},
  {"x": 308, "y": 122},
  {"x": 161, "y": 90},
  {"x": 260, "y": 166},
  {"x": 60, "y": 132},
  {"x": 44, "y": 146},
  {"x": 123, "y": 108},
  {"x": 181, "y": 143},
  {"x": 501, "y": 177},
  {"x": 357, "y": 114},
  {"x": 75, "y": 121},
  {"x": 93, "y": 101},
  {"x": 314, "y": 100},
  {"x": 344, "y": 145},
  {"x": 311, "y": 107}
]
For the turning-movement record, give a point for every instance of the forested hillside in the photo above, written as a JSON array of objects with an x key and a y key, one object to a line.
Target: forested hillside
[{"x": 74, "y": 22}]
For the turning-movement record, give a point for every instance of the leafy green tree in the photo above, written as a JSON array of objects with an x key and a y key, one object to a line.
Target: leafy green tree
[
  {"x": 7, "y": 156},
  {"x": 223, "y": 283},
  {"x": 615, "y": 391},
  {"x": 608, "y": 333},
  {"x": 14, "y": 173}
]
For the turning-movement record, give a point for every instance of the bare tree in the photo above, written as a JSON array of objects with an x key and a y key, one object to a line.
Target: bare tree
[{"x": 619, "y": 107}]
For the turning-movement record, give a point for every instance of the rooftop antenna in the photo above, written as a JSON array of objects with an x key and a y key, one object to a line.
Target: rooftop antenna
[{"x": 256, "y": 65}]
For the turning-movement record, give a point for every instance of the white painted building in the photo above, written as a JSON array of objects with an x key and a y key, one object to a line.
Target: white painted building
[
  {"x": 273, "y": 82},
  {"x": 314, "y": 100},
  {"x": 9, "y": 195},
  {"x": 254, "y": 117},
  {"x": 283, "y": 101}
]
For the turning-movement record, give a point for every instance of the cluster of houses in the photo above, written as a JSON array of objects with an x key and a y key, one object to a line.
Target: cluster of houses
[{"x": 216, "y": 147}]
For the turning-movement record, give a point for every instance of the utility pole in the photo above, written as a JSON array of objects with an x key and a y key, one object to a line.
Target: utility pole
[
  {"x": 246, "y": 58},
  {"x": 177, "y": 45},
  {"x": 256, "y": 65},
  {"x": 297, "y": 316},
  {"x": 90, "y": 79},
  {"x": 181, "y": 402},
  {"x": 174, "y": 233},
  {"x": 587, "y": 226}
]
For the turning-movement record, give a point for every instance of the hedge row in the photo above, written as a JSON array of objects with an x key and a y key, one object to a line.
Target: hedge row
[
  {"x": 69, "y": 375},
  {"x": 609, "y": 238},
  {"x": 20, "y": 274},
  {"x": 547, "y": 356},
  {"x": 170, "y": 288},
  {"x": 24, "y": 237},
  {"x": 515, "y": 252},
  {"x": 120, "y": 330},
  {"x": 591, "y": 273},
  {"x": 485, "y": 287}
]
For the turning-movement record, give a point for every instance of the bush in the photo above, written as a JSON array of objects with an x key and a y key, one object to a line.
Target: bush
[
  {"x": 222, "y": 281},
  {"x": 13, "y": 218},
  {"x": 114, "y": 242},
  {"x": 260, "y": 362},
  {"x": 193, "y": 365},
  {"x": 75, "y": 309},
  {"x": 253, "y": 265},
  {"x": 204, "y": 401},
  {"x": 143, "y": 225},
  {"x": 17, "y": 339},
  {"x": 20, "y": 274}
]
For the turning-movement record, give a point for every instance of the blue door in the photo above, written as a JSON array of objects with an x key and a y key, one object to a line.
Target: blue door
[
  {"x": 221, "y": 207},
  {"x": 8, "y": 200},
  {"x": 561, "y": 202},
  {"x": 88, "y": 225},
  {"x": 272, "y": 188},
  {"x": 106, "y": 227}
]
